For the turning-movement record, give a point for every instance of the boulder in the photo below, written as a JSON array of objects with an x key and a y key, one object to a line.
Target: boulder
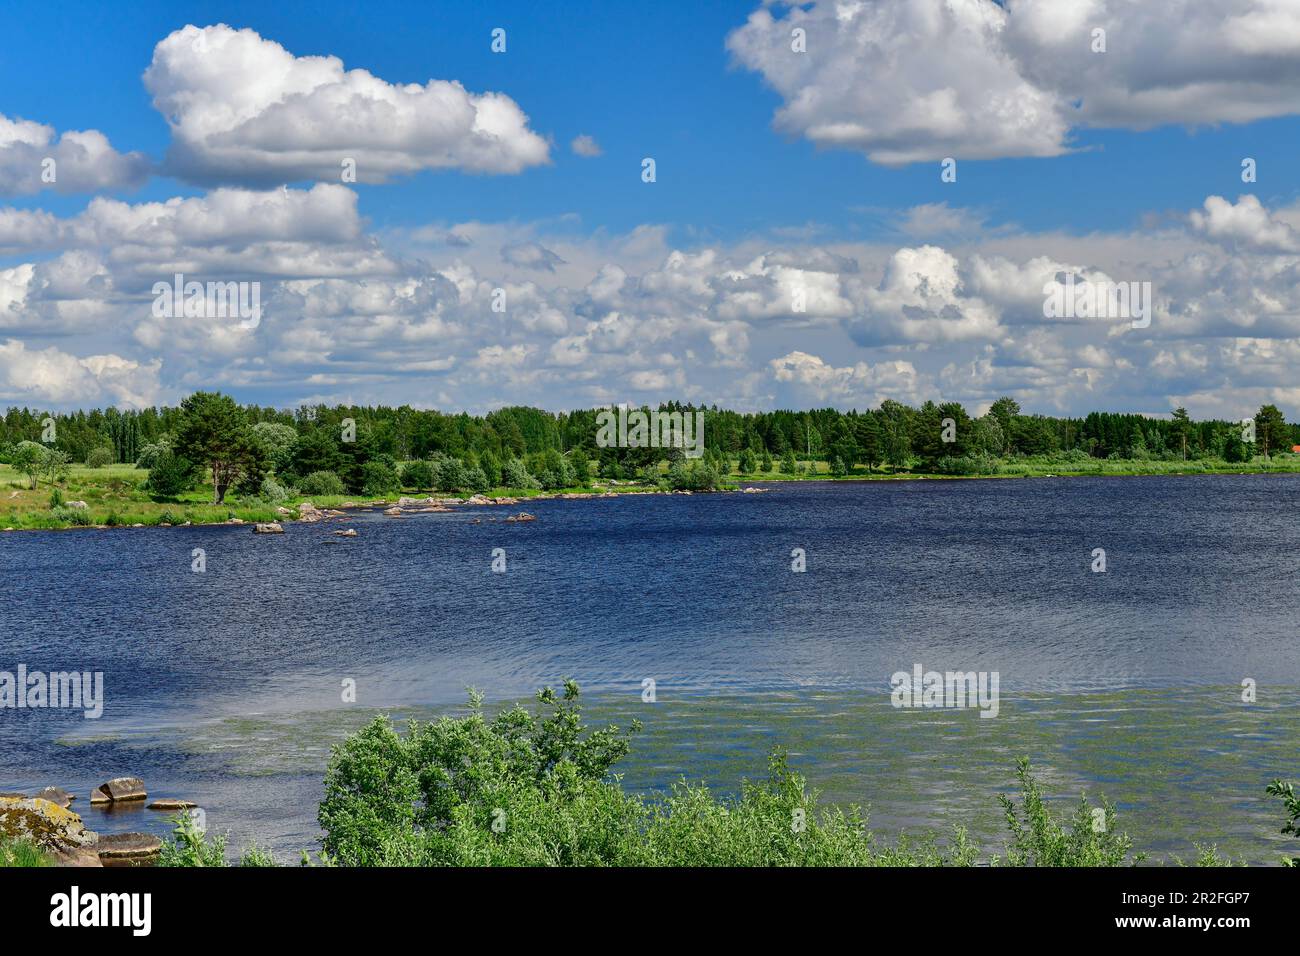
[
  {"x": 169, "y": 804},
  {"x": 283, "y": 512},
  {"x": 118, "y": 790},
  {"x": 235, "y": 521},
  {"x": 522, "y": 516},
  {"x": 46, "y": 824},
  {"x": 56, "y": 795},
  {"x": 273, "y": 527},
  {"x": 128, "y": 849},
  {"x": 79, "y": 505},
  {"x": 347, "y": 533},
  {"x": 393, "y": 512}
]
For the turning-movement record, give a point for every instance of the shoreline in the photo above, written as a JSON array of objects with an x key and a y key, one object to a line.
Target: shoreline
[{"x": 292, "y": 511}]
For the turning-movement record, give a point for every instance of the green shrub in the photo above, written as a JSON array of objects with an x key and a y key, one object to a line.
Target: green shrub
[
  {"x": 1038, "y": 839},
  {"x": 321, "y": 483},
  {"x": 73, "y": 516},
  {"x": 170, "y": 475},
  {"x": 417, "y": 475},
  {"x": 272, "y": 491},
  {"x": 514, "y": 474},
  {"x": 1291, "y": 804},
  {"x": 379, "y": 478},
  {"x": 101, "y": 456}
]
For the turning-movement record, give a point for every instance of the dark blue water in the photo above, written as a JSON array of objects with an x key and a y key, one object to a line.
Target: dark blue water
[{"x": 225, "y": 686}]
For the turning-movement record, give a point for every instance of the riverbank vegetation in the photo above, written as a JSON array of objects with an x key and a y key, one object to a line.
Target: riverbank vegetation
[
  {"x": 210, "y": 459},
  {"x": 538, "y": 788}
]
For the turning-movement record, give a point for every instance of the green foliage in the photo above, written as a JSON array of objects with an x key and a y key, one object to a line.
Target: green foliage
[
  {"x": 1038, "y": 839},
  {"x": 78, "y": 517},
  {"x": 379, "y": 478},
  {"x": 417, "y": 475},
  {"x": 28, "y": 458},
  {"x": 515, "y": 475},
  {"x": 214, "y": 433},
  {"x": 22, "y": 853},
  {"x": 278, "y": 441},
  {"x": 1291, "y": 804},
  {"x": 150, "y": 453},
  {"x": 272, "y": 492},
  {"x": 320, "y": 484},
  {"x": 788, "y": 464},
  {"x": 190, "y": 846},
  {"x": 170, "y": 475},
  {"x": 99, "y": 457}
]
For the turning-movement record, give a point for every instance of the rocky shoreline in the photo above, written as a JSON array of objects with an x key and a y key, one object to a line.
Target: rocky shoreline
[
  {"x": 46, "y": 820},
  {"x": 307, "y": 513}
]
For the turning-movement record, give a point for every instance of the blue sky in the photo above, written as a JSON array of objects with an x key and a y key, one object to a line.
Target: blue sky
[
  {"x": 645, "y": 80},
  {"x": 775, "y": 171}
]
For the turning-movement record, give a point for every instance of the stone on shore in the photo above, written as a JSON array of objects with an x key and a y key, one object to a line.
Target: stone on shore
[
  {"x": 119, "y": 789},
  {"x": 46, "y": 824},
  {"x": 271, "y": 527}
]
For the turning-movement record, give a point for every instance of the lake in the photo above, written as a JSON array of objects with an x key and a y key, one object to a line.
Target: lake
[{"x": 225, "y": 686}]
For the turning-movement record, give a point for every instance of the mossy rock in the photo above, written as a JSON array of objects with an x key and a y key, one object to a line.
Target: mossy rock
[{"x": 43, "y": 823}]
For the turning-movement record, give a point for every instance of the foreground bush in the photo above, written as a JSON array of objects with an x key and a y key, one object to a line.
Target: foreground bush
[{"x": 537, "y": 790}]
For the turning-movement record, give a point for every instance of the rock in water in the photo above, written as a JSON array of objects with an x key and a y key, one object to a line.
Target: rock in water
[
  {"x": 271, "y": 527},
  {"x": 128, "y": 849},
  {"x": 56, "y": 795},
  {"x": 119, "y": 789},
  {"x": 169, "y": 804}
]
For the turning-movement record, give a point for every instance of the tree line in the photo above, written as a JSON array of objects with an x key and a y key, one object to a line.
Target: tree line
[{"x": 237, "y": 444}]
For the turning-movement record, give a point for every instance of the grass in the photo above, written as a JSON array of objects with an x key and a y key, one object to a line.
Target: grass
[{"x": 21, "y": 853}]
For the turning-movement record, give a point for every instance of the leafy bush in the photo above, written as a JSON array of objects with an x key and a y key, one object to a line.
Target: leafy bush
[
  {"x": 150, "y": 453},
  {"x": 73, "y": 516},
  {"x": 696, "y": 476},
  {"x": 1291, "y": 803},
  {"x": 321, "y": 483},
  {"x": 1040, "y": 840},
  {"x": 99, "y": 457},
  {"x": 417, "y": 475},
  {"x": 515, "y": 475},
  {"x": 448, "y": 474},
  {"x": 476, "y": 481},
  {"x": 170, "y": 475},
  {"x": 272, "y": 491},
  {"x": 379, "y": 478}
]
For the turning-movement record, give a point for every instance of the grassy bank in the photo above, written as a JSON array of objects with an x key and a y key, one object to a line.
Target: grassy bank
[{"x": 116, "y": 497}]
